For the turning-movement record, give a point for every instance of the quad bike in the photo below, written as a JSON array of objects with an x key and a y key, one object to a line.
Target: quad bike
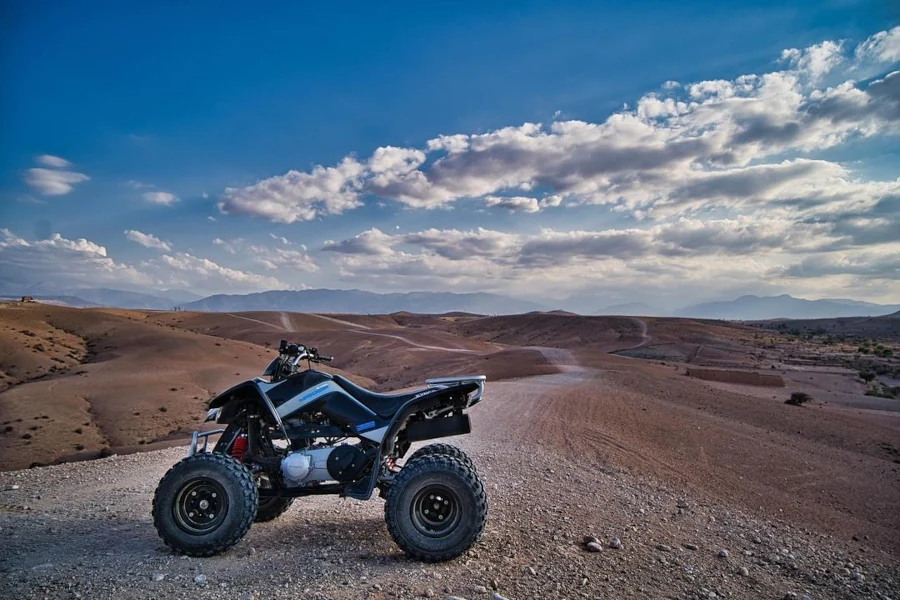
[{"x": 304, "y": 433}]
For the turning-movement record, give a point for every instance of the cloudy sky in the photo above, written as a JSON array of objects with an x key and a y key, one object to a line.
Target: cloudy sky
[{"x": 663, "y": 153}]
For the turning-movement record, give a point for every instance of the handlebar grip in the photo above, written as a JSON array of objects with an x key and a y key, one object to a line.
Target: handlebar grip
[{"x": 325, "y": 358}]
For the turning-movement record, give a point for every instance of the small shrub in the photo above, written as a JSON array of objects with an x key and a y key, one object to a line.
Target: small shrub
[
  {"x": 27, "y": 436},
  {"x": 78, "y": 431},
  {"x": 173, "y": 389},
  {"x": 798, "y": 399},
  {"x": 866, "y": 376},
  {"x": 163, "y": 409},
  {"x": 79, "y": 447}
]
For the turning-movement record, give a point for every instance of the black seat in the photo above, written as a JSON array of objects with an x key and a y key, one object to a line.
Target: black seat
[{"x": 384, "y": 405}]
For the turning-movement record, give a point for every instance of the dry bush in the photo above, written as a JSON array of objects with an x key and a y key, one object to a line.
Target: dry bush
[{"x": 798, "y": 399}]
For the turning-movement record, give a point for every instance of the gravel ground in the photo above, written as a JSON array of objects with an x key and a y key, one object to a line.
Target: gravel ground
[{"x": 83, "y": 530}]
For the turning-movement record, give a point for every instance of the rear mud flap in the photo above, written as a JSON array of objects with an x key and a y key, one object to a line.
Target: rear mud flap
[{"x": 418, "y": 431}]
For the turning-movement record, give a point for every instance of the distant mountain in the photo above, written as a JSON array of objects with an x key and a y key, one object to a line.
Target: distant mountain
[
  {"x": 360, "y": 302},
  {"x": 125, "y": 299},
  {"x": 62, "y": 300},
  {"x": 181, "y": 295},
  {"x": 634, "y": 309},
  {"x": 100, "y": 296},
  {"x": 756, "y": 308}
]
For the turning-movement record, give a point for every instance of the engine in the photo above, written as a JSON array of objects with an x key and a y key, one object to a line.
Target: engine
[{"x": 343, "y": 463}]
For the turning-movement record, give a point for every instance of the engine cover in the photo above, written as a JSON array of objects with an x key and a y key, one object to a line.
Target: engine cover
[
  {"x": 306, "y": 466},
  {"x": 346, "y": 463}
]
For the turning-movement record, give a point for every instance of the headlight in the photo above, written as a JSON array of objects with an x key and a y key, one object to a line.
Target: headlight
[{"x": 212, "y": 415}]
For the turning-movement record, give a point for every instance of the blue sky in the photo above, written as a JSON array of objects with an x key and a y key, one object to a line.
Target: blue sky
[{"x": 163, "y": 117}]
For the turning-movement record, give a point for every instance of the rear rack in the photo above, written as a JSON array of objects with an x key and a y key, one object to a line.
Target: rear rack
[{"x": 445, "y": 382}]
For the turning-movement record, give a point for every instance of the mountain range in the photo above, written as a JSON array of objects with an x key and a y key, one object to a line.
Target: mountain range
[
  {"x": 358, "y": 301},
  {"x": 745, "y": 308},
  {"x": 756, "y": 308}
]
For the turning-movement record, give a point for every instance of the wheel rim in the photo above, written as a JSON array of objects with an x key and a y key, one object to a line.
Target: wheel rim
[
  {"x": 200, "y": 506},
  {"x": 435, "y": 511}
]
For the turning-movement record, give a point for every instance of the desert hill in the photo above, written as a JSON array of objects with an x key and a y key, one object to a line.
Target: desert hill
[{"x": 80, "y": 381}]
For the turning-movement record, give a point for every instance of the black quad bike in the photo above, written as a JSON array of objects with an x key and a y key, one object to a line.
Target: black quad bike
[{"x": 303, "y": 433}]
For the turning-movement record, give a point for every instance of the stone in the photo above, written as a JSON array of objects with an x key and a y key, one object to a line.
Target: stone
[
  {"x": 588, "y": 539},
  {"x": 200, "y": 579},
  {"x": 158, "y": 576},
  {"x": 532, "y": 572},
  {"x": 615, "y": 544},
  {"x": 429, "y": 593},
  {"x": 744, "y": 572},
  {"x": 663, "y": 548},
  {"x": 594, "y": 547},
  {"x": 689, "y": 546},
  {"x": 497, "y": 596},
  {"x": 480, "y": 589},
  {"x": 723, "y": 553}
]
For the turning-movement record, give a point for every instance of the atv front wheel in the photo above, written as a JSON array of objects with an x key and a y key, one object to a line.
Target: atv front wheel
[
  {"x": 205, "y": 504},
  {"x": 436, "y": 508},
  {"x": 445, "y": 449}
]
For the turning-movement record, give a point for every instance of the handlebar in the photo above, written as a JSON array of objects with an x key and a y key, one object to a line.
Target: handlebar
[{"x": 298, "y": 352}]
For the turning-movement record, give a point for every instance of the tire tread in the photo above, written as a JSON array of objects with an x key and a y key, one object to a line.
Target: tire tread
[
  {"x": 436, "y": 462},
  {"x": 249, "y": 498}
]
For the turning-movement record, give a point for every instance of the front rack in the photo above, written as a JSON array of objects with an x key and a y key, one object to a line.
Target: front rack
[{"x": 195, "y": 438}]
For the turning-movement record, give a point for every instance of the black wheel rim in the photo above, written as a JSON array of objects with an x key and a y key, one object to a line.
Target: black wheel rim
[
  {"x": 200, "y": 506},
  {"x": 435, "y": 511}
]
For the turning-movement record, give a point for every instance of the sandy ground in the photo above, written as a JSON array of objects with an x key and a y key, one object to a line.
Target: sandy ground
[
  {"x": 573, "y": 441},
  {"x": 550, "y": 483}
]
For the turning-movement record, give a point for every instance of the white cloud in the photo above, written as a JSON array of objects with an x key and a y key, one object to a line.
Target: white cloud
[
  {"x": 298, "y": 196},
  {"x": 283, "y": 260},
  {"x": 281, "y": 239},
  {"x": 817, "y": 60},
  {"x": 53, "y": 183},
  {"x": 371, "y": 242},
  {"x": 162, "y": 198},
  {"x": 60, "y": 261},
  {"x": 147, "y": 240},
  {"x": 48, "y": 160},
  {"x": 635, "y": 161},
  {"x": 777, "y": 249},
  {"x": 521, "y": 203},
  {"x": 188, "y": 270},
  {"x": 883, "y": 47}
]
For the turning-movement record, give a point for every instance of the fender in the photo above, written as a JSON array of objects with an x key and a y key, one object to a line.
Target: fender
[
  {"x": 362, "y": 490},
  {"x": 248, "y": 392}
]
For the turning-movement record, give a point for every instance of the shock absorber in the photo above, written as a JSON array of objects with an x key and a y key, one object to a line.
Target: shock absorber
[{"x": 239, "y": 448}]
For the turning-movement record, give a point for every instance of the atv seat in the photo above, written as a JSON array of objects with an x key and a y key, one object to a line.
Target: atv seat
[{"x": 384, "y": 405}]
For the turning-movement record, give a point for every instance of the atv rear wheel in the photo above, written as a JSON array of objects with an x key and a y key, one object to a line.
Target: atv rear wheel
[
  {"x": 436, "y": 508},
  {"x": 205, "y": 504},
  {"x": 445, "y": 449},
  {"x": 272, "y": 507}
]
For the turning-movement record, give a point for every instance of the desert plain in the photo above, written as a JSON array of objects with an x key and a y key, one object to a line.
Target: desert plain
[{"x": 668, "y": 440}]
